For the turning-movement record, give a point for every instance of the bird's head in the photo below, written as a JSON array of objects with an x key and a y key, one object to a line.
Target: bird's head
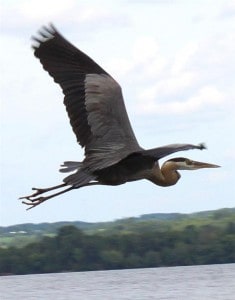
[{"x": 182, "y": 163}]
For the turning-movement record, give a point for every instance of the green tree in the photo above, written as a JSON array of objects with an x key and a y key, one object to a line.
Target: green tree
[{"x": 112, "y": 259}]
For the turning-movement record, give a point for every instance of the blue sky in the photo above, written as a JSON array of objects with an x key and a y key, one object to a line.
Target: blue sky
[{"x": 175, "y": 63}]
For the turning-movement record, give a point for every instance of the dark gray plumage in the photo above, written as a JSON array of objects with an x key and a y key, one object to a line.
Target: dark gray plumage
[{"x": 97, "y": 113}]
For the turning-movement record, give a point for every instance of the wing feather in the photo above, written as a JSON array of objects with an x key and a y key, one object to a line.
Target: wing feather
[
  {"x": 93, "y": 100},
  {"x": 160, "y": 152}
]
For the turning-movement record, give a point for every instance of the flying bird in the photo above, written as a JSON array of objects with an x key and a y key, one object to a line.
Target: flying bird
[{"x": 97, "y": 113}]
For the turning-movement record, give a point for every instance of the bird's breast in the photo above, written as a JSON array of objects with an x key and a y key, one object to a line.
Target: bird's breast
[{"x": 132, "y": 168}]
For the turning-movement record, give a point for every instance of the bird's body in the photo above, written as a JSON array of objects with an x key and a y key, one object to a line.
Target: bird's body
[
  {"x": 97, "y": 113},
  {"x": 134, "y": 167}
]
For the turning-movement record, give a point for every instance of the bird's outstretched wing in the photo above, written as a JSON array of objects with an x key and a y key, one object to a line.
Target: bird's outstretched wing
[
  {"x": 93, "y": 100},
  {"x": 160, "y": 152}
]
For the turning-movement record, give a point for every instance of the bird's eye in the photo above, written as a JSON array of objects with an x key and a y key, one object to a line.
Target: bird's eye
[{"x": 188, "y": 162}]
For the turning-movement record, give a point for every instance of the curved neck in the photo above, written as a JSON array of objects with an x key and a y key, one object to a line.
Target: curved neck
[{"x": 165, "y": 176}]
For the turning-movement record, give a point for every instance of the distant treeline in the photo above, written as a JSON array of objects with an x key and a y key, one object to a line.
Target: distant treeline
[{"x": 73, "y": 250}]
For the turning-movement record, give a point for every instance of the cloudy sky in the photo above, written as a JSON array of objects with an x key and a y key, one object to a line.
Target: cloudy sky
[{"x": 175, "y": 62}]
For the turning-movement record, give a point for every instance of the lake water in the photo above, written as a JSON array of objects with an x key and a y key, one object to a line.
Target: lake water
[{"x": 210, "y": 282}]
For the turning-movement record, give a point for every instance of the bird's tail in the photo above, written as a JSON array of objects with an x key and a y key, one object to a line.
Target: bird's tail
[
  {"x": 70, "y": 166},
  {"x": 80, "y": 178}
]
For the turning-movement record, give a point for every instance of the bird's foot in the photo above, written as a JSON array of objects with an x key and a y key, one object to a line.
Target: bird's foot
[
  {"x": 38, "y": 192},
  {"x": 33, "y": 202}
]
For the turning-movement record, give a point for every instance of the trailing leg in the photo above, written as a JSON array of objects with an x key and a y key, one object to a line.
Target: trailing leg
[
  {"x": 36, "y": 201},
  {"x": 33, "y": 200},
  {"x": 40, "y": 191}
]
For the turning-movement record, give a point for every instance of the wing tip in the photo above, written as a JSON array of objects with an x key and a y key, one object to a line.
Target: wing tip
[
  {"x": 44, "y": 34},
  {"x": 202, "y": 146}
]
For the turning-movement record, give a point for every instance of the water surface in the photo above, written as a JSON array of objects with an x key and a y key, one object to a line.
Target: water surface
[{"x": 210, "y": 282}]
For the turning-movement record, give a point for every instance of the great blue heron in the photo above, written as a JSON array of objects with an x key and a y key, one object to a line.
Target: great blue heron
[{"x": 98, "y": 116}]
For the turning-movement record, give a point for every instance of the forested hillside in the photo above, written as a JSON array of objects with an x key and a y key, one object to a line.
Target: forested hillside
[{"x": 149, "y": 241}]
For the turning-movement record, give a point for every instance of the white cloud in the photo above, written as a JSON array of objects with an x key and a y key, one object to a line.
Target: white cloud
[
  {"x": 205, "y": 97},
  {"x": 199, "y": 77},
  {"x": 144, "y": 61},
  {"x": 83, "y": 17},
  {"x": 45, "y": 9},
  {"x": 144, "y": 49},
  {"x": 219, "y": 177},
  {"x": 227, "y": 10},
  {"x": 230, "y": 154},
  {"x": 183, "y": 57},
  {"x": 172, "y": 85}
]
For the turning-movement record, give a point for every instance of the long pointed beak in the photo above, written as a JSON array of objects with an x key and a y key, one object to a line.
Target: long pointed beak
[{"x": 200, "y": 165}]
